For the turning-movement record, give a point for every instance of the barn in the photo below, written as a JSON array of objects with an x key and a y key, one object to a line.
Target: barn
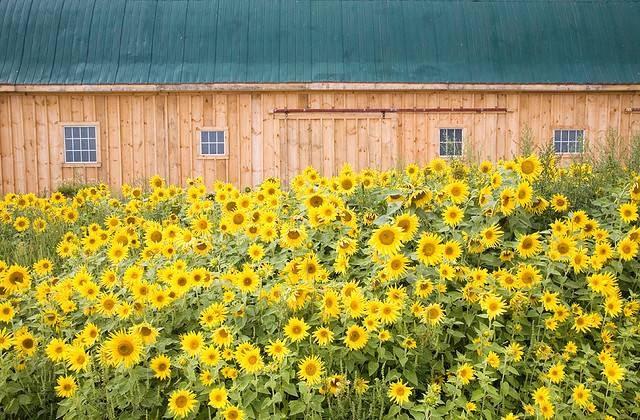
[{"x": 115, "y": 91}]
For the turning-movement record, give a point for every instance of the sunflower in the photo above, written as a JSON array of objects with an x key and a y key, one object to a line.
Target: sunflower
[
  {"x": 311, "y": 369},
  {"x": 581, "y": 395},
  {"x": 396, "y": 266},
  {"x": 218, "y": 397},
  {"x": 550, "y": 300},
  {"x": 21, "y": 224},
  {"x": 561, "y": 248},
  {"x": 192, "y": 342},
  {"x": 323, "y": 336},
  {"x": 514, "y": 351},
  {"x": 424, "y": 288},
  {"x": 66, "y": 387},
  {"x": 524, "y": 194},
  {"x": 453, "y": 215},
  {"x": 433, "y": 314},
  {"x": 222, "y": 337},
  {"x": 628, "y": 212},
  {"x": 529, "y": 245},
  {"x": 494, "y": 305},
  {"x": 233, "y": 413},
  {"x": 451, "y": 250},
  {"x": 6, "y": 312},
  {"x": 399, "y": 393},
  {"x": 408, "y": 223},
  {"x": 182, "y": 402},
  {"x": 465, "y": 373},
  {"x": 603, "y": 251},
  {"x": 161, "y": 366},
  {"x": 247, "y": 280},
  {"x": 77, "y": 359},
  {"x": 559, "y": 203},
  {"x": 296, "y": 329},
  {"x": 581, "y": 323},
  {"x": 578, "y": 219},
  {"x": 123, "y": 348},
  {"x": 347, "y": 183},
  {"x": 330, "y": 305},
  {"x": 389, "y": 312},
  {"x": 493, "y": 360},
  {"x": 613, "y": 372},
  {"x": 529, "y": 167},
  {"x": 547, "y": 410},
  {"x": 15, "y": 279},
  {"x": 491, "y": 236},
  {"x": 277, "y": 349},
  {"x": 429, "y": 250},
  {"x": 627, "y": 249},
  {"x": 346, "y": 246},
  {"x": 386, "y": 240},
  {"x": 613, "y": 306},
  {"x": 541, "y": 395},
  {"x": 356, "y": 337},
  {"x": 201, "y": 226},
  {"x": 25, "y": 343},
  {"x": 255, "y": 252},
  {"x": 409, "y": 343},
  {"x": 579, "y": 260},
  {"x": 538, "y": 206},
  {"x": 556, "y": 373},
  {"x": 213, "y": 315},
  {"x": 354, "y": 305},
  {"x": 43, "y": 266},
  {"x": 528, "y": 276},
  {"x": 56, "y": 350},
  {"x": 457, "y": 191},
  {"x": 309, "y": 267},
  {"x": 507, "y": 201}
]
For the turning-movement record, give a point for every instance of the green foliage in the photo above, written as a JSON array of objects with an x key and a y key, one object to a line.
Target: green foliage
[
  {"x": 167, "y": 233},
  {"x": 71, "y": 188}
]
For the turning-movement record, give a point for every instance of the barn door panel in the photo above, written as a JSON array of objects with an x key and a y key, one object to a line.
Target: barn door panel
[{"x": 327, "y": 142}]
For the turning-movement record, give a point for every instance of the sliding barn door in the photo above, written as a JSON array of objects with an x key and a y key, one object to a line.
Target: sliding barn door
[{"x": 327, "y": 142}]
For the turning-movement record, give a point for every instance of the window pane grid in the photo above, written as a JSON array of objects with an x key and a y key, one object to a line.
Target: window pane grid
[
  {"x": 568, "y": 141},
  {"x": 212, "y": 143},
  {"x": 80, "y": 144},
  {"x": 451, "y": 142}
]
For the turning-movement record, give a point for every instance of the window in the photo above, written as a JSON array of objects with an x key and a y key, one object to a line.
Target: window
[
  {"x": 213, "y": 142},
  {"x": 451, "y": 142},
  {"x": 568, "y": 141},
  {"x": 80, "y": 144}
]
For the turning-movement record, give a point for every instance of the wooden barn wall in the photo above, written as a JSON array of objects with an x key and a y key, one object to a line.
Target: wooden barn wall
[{"x": 145, "y": 134}]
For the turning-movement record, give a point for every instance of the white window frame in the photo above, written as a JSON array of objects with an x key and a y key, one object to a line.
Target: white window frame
[
  {"x": 225, "y": 132},
  {"x": 72, "y": 124},
  {"x": 462, "y": 134},
  {"x": 555, "y": 130}
]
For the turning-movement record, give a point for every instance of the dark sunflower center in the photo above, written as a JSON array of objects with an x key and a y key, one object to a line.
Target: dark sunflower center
[
  {"x": 181, "y": 401},
  {"x": 527, "y": 167},
  {"x": 386, "y": 237},
  {"x": 125, "y": 349}
]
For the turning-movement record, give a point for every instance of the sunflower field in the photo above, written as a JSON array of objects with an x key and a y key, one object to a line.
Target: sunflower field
[{"x": 442, "y": 291}]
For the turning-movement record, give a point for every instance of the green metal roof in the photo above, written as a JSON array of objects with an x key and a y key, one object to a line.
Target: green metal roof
[{"x": 217, "y": 41}]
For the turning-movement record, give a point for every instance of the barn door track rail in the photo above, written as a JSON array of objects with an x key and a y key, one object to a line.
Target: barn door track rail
[{"x": 384, "y": 111}]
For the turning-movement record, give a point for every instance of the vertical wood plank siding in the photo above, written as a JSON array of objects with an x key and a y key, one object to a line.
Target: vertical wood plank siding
[{"x": 145, "y": 134}]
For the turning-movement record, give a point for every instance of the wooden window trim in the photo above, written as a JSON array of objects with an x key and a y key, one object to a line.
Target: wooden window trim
[
  {"x": 568, "y": 128},
  {"x": 98, "y": 162},
  {"x": 463, "y": 142},
  {"x": 199, "y": 130}
]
